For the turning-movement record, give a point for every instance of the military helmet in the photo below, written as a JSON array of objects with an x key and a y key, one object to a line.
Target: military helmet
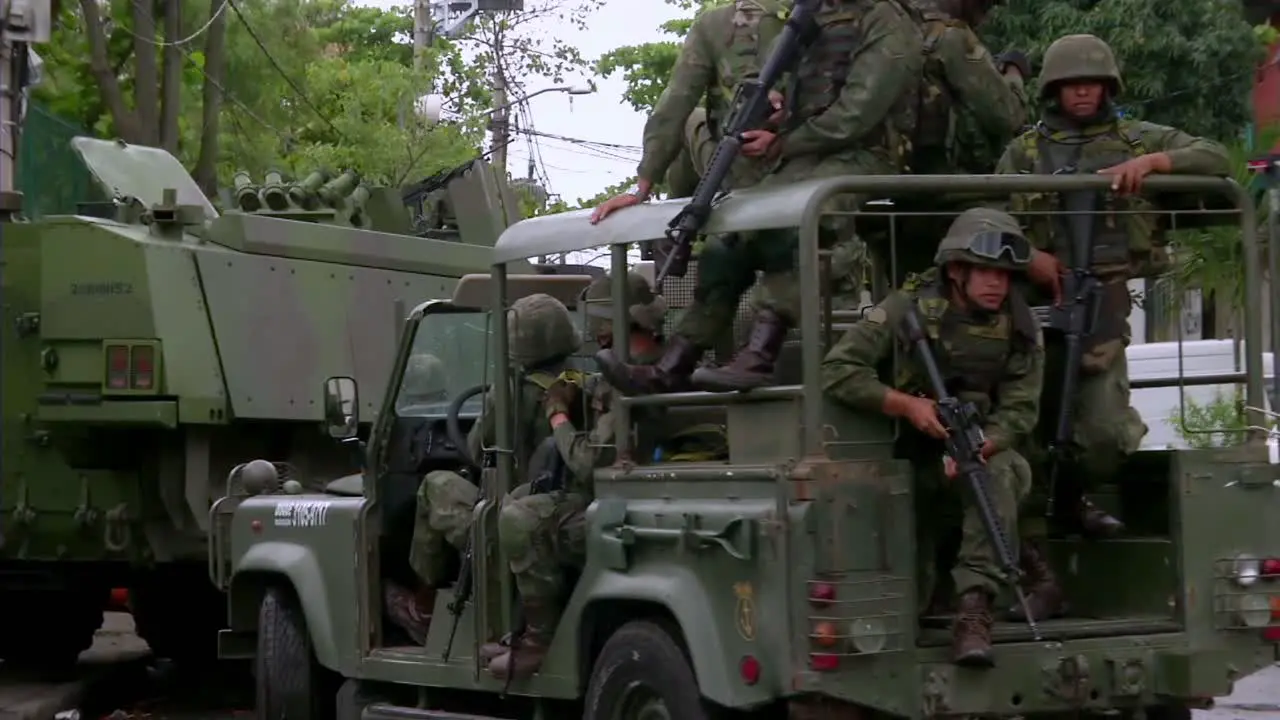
[
  {"x": 1079, "y": 57},
  {"x": 647, "y": 309},
  {"x": 986, "y": 237},
  {"x": 539, "y": 330},
  {"x": 424, "y": 376}
]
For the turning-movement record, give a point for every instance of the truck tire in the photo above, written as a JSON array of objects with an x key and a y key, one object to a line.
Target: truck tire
[
  {"x": 640, "y": 670},
  {"x": 179, "y": 616},
  {"x": 290, "y": 683}
]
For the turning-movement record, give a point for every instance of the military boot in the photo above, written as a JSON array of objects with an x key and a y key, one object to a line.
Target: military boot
[
  {"x": 752, "y": 367},
  {"x": 670, "y": 374},
  {"x": 1045, "y": 597},
  {"x": 410, "y": 611},
  {"x": 1096, "y": 522},
  {"x": 522, "y": 658},
  {"x": 971, "y": 631}
]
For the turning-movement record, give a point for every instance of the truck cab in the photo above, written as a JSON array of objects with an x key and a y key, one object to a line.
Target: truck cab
[{"x": 778, "y": 583}]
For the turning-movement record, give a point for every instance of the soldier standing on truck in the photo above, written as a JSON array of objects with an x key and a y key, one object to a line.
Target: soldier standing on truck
[
  {"x": 961, "y": 75},
  {"x": 542, "y": 337},
  {"x": 852, "y": 111},
  {"x": 1080, "y": 130},
  {"x": 990, "y": 351}
]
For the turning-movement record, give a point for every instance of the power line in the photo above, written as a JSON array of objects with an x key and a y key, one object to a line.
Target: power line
[
  {"x": 297, "y": 90},
  {"x": 177, "y": 43}
]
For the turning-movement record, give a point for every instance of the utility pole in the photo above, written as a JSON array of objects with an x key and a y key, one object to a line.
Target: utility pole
[
  {"x": 22, "y": 22},
  {"x": 500, "y": 124},
  {"x": 422, "y": 25}
]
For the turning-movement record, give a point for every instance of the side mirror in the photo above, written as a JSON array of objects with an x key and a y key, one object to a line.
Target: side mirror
[{"x": 341, "y": 407}]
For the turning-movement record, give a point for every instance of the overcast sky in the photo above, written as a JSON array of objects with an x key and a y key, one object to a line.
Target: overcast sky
[{"x": 573, "y": 169}]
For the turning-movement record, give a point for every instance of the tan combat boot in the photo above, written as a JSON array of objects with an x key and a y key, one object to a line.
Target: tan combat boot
[
  {"x": 491, "y": 650},
  {"x": 971, "y": 632},
  {"x": 753, "y": 366},
  {"x": 409, "y": 610},
  {"x": 522, "y": 659},
  {"x": 1045, "y": 596},
  {"x": 669, "y": 374}
]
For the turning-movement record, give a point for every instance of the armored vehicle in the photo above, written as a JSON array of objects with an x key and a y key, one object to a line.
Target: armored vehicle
[
  {"x": 150, "y": 343},
  {"x": 777, "y": 584}
]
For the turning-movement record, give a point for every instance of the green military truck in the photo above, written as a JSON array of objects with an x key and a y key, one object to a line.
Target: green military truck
[
  {"x": 150, "y": 343},
  {"x": 778, "y": 584}
]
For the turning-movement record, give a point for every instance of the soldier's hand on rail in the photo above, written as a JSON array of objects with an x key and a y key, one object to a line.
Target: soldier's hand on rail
[
  {"x": 1046, "y": 271},
  {"x": 615, "y": 203},
  {"x": 1127, "y": 177}
]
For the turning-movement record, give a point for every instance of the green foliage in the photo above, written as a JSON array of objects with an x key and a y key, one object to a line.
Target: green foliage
[
  {"x": 1218, "y": 423},
  {"x": 1186, "y": 63},
  {"x": 646, "y": 67}
]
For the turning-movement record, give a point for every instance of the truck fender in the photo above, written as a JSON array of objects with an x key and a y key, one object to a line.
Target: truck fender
[
  {"x": 300, "y": 566},
  {"x": 686, "y": 597}
]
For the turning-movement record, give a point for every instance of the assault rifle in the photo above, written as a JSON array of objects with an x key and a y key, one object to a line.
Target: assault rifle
[
  {"x": 1076, "y": 318},
  {"x": 749, "y": 110},
  {"x": 964, "y": 445},
  {"x": 465, "y": 584}
]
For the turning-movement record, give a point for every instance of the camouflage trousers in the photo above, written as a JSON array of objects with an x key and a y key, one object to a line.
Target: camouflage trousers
[
  {"x": 944, "y": 505},
  {"x": 727, "y": 267},
  {"x": 543, "y": 535},
  {"x": 446, "y": 506}
]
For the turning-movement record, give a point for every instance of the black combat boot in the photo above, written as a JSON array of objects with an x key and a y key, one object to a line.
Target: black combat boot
[
  {"x": 752, "y": 367},
  {"x": 1097, "y": 523},
  {"x": 670, "y": 374},
  {"x": 522, "y": 658},
  {"x": 971, "y": 631},
  {"x": 1044, "y": 595},
  {"x": 410, "y": 611},
  {"x": 491, "y": 650}
]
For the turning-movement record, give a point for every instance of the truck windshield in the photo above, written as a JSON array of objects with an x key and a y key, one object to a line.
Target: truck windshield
[{"x": 449, "y": 355}]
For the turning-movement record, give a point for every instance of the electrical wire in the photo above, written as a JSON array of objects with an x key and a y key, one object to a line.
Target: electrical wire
[
  {"x": 284, "y": 75},
  {"x": 177, "y": 43}
]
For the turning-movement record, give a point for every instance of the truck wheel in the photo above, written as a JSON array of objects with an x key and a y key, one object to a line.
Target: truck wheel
[
  {"x": 290, "y": 683},
  {"x": 643, "y": 673},
  {"x": 179, "y": 617}
]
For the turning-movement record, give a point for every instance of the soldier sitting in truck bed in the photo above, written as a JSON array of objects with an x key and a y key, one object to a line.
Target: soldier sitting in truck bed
[{"x": 990, "y": 351}]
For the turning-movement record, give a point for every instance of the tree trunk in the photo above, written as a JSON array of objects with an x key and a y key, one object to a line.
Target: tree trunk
[
  {"x": 146, "y": 84},
  {"x": 172, "y": 86},
  {"x": 125, "y": 120},
  {"x": 206, "y": 171}
]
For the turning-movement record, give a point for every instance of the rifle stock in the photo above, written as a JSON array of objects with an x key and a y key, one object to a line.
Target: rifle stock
[
  {"x": 1076, "y": 319},
  {"x": 964, "y": 444},
  {"x": 750, "y": 109}
]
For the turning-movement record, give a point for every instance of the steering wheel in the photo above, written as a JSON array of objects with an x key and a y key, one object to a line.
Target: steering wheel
[{"x": 453, "y": 427}]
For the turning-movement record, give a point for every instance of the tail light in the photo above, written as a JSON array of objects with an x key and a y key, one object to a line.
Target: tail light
[
  {"x": 1271, "y": 568},
  {"x": 118, "y": 367},
  {"x": 142, "y": 367}
]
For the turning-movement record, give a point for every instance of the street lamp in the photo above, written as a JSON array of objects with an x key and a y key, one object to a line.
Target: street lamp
[{"x": 431, "y": 107}]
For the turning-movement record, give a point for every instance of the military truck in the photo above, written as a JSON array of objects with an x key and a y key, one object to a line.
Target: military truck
[
  {"x": 151, "y": 342},
  {"x": 778, "y": 584}
]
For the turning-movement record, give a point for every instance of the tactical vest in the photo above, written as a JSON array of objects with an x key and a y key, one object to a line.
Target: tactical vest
[
  {"x": 935, "y": 119},
  {"x": 822, "y": 72},
  {"x": 1131, "y": 244},
  {"x": 972, "y": 353},
  {"x": 752, "y": 28}
]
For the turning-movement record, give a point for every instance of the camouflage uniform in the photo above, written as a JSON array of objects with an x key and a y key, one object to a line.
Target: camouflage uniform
[
  {"x": 542, "y": 337},
  {"x": 1106, "y": 429},
  {"x": 993, "y": 359},
  {"x": 851, "y": 112},
  {"x": 544, "y": 533}
]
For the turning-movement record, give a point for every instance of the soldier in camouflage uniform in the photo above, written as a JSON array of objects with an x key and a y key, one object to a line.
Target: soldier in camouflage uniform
[
  {"x": 852, "y": 112},
  {"x": 990, "y": 351},
  {"x": 960, "y": 75},
  {"x": 541, "y": 338},
  {"x": 544, "y": 533},
  {"x": 1080, "y": 130}
]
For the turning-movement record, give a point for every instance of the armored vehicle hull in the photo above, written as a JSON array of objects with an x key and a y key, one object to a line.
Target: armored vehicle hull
[{"x": 147, "y": 353}]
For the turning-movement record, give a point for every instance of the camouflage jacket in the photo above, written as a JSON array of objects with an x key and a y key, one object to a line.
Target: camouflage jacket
[
  {"x": 885, "y": 68},
  {"x": 725, "y": 44},
  {"x": 531, "y": 427},
  {"x": 994, "y": 360}
]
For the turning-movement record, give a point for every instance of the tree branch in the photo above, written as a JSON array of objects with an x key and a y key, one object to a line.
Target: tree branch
[
  {"x": 100, "y": 66},
  {"x": 146, "y": 86},
  {"x": 206, "y": 170},
  {"x": 171, "y": 90}
]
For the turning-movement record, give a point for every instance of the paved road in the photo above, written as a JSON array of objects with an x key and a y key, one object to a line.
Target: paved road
[{"x": 1257, "y": 697}]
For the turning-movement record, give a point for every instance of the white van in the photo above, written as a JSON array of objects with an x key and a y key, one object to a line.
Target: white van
[{"x": 1161, "y": 407}]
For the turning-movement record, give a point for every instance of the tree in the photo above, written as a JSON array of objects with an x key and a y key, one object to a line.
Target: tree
[{"x": 646, "y": 67}]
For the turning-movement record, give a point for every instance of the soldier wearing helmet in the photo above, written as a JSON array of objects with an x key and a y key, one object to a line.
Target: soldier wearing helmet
[
  {"x": 961, "y": 76},
  {"x": 541, "y": 337},
  {"x": 990, "y": 351},
  {"x": 1080, "y": 130}
]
